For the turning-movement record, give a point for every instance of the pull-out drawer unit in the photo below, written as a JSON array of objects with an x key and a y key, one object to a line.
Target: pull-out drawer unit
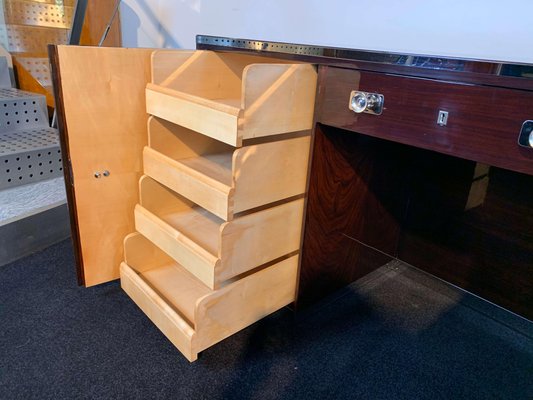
[
  {"x": 192, "y": 316},
  {"x": 209, "y": 248},
  {"x": 231, "y": 97},
  {"x": 223, "y": 179},
  {"x": 213, "y": 181},
  {"x": 221, "y": 205}
]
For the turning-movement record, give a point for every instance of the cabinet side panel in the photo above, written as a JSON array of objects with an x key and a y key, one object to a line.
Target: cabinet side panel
[{"x": 103, "y": 128}]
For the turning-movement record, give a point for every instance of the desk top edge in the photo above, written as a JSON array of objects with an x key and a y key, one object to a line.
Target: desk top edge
[{"x": 484, "y": 72}]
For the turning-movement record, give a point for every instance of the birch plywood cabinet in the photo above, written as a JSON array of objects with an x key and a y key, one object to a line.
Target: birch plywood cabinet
[{"x": 206, "y": 178}]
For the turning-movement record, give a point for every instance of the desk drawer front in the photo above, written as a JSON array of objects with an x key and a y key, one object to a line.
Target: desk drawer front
[{"x": 483, "y": 122}]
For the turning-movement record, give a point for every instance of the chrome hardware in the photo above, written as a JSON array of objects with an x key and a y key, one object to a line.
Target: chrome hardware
[
  {"x": 442, "y": 119},
  {"x": 371, "y": 103},
  {"x": 525, "y": 139},
  {"x": 99, "y": 174},
  {"x": 205, "y": 42},
  {"x": 358, "y": 102}
]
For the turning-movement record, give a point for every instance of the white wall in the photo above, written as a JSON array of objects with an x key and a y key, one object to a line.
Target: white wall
[{"x": 480, "y": 29}]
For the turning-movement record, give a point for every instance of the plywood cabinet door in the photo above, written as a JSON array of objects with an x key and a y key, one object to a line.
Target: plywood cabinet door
[{"x": 102, "y": 118}]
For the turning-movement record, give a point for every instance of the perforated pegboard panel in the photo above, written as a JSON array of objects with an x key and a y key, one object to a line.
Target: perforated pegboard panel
[
  {"x": 29, "y": 148},
  {"x": 38, "y": 14},
  {"x": 38, "y": 67},
  {"x": 29, "y": 156},
  {"x": 30, "y": 39},
  {"x": 20, "y": 110}
]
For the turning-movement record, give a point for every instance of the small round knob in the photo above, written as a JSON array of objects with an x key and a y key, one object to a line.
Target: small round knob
[
  {"x": 359, "y": 102},
  {"x": 97, "y": 175},
  {"x": 374, "y": 102},
  {"x": 106, "y": 173}
]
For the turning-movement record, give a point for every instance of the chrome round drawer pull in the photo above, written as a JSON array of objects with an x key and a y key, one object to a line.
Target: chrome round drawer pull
[
  {"x": 371, "y": 103},
  {"x": 525, "y": 138}
]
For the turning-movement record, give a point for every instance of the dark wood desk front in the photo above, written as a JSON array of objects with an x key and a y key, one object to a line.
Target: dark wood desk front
[{"x": 455, "y": 200}]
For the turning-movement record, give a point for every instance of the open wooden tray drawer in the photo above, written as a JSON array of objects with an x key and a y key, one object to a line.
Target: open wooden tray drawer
[
  {"x": 231, "y": 97},
  {"x": 209, "y": 248},
  {"x": 190, "y": 315},
  {"x": 220, "y": 178}
]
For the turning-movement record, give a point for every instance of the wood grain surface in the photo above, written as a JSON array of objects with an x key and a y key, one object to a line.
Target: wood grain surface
[
  {"x": 464, "y": 222},
  {"x": 103, "y": 127},
  {"x": 355, "y": 206},
  {"x": 483, "y": 123},
  {"x": 486, "y": 249}
]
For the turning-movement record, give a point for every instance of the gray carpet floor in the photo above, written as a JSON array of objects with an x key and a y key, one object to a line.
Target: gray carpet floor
[{"x": 396, "y": 334}]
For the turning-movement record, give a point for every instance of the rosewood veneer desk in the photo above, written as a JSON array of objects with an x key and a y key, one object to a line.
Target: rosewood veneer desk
[{"x": 427, "y": 160}]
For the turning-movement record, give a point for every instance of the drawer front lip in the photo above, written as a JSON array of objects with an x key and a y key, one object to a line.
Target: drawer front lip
[
  {"x": 483, "y": 123},
  {"x": 160, "y": 313},
  {"x": 213, "y": 122},
  {"x": 177, "y": 245},
  {"x": 213, "y": 197}
]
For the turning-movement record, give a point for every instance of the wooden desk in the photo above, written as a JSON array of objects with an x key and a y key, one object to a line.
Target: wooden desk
[{"x": 453, "y": 200}]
